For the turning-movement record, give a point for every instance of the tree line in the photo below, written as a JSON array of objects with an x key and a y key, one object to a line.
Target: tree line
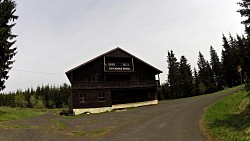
[
  {"x": 216, "y": 74},
  {"x": 212, "y": 75},
  {"x": 47, "y": 96}
]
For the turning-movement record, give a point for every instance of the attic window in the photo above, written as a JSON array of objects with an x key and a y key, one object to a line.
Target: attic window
[
  {"x": 118, "y": 64},
  {"x": 125, "y": 64},
  {"x": 111, "y": 64}
]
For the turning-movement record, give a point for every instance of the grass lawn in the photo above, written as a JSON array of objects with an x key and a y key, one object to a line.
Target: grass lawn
[
  {"x": 7, "y": 113},
  {"x": 229, "y": 118}
]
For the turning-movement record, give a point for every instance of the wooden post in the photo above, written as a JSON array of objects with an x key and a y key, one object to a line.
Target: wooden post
[
  {"x": 104, "y": 61},
  {"x": 104, "y": 68},
  {"x": 71, "y": 93},
  {"x": 159, "y": 79},
  {"x": 133, "y": 64}
]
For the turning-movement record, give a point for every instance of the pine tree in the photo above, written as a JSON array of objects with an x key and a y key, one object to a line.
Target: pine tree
[
  {"x": 226, "y": 62},
  {"x": 196, "y": 82},
  {"x": 186, "y": 78},
  {"x": 243, "y": 61},
  {"x": 235, "y": 60},
  {"x": 216, "y": 68},
  {"x": 245, "y": 12},
  {"x": 7, "y": 17},
  {"x": 173, "y": 75},
  {"x": 202, "y": 64},
  {"x": 242, "y": 50},
  {"x": 205, "y": 74}
]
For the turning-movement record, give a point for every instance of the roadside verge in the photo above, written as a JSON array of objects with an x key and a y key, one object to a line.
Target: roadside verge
[{"x": 228, "y": 119}]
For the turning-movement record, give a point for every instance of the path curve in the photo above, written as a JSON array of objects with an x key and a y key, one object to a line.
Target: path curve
[{"x": 176, "y": 120}]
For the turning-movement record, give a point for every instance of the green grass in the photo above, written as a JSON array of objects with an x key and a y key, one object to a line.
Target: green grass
[
  {"x": 229, "y": 118},
  {"x": 59, "y": 124},
  {"x": 7, "y": 113}
]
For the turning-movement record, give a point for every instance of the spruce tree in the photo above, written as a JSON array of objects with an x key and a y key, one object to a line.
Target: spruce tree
[
  {"x": 216, "y": 68},
  {"x": 242, "y": 50},
  {"x": 245, "y": 12},
  {"x": 226, "y": 62},
  {"x": 235, "y": 60},
  {"x": 186, "y": 78},
  {"x": 205, "y": 74},
  {"x": 196, "y": 83},
  {"x": 7, "y": 52},
  {"x": 173, "y": 75},
  {"x": 202, "y": 64}
]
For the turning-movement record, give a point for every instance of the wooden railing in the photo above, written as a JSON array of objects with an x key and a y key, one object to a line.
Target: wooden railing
[
  {"x": 115, "y": 84},
  {"x": 118, "y": 68}
]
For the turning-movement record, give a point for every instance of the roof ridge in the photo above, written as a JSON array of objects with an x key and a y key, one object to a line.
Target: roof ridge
[{"x": 117, "y": 48}]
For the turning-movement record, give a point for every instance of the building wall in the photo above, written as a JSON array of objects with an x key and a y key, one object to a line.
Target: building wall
[
  {"x": 92, "y": 99},
  {"x": 142, "y": 72},
  {"x": 91, "y": 72},
  {"x": 112, "y": 97},
  {"x": 94, "y": 71},
  {"x": 133, "y": 95}
]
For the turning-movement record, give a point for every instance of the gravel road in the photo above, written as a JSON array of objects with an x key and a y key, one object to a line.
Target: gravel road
[
  {"x": 172, "y": 120},
  {"x": 176, "y": 120}
]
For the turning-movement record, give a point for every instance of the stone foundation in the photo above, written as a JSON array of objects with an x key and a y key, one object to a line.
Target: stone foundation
[{"x": 117, "y": 106}]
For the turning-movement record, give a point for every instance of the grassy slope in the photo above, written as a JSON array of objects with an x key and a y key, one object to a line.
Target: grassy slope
[
  {"x": 7, "y": 113},
  {"x": 228, "y": 119}
]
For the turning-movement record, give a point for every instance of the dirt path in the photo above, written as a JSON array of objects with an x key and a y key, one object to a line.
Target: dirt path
[{"x": 174, "y": 120}]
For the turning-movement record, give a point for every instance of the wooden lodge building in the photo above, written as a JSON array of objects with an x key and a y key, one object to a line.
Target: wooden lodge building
[{"x": 113, "y": 80}]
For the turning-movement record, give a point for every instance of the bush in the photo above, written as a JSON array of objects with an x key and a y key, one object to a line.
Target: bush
[
  {"x": 20, "y": 101},
  {"x": 36, "y": 103},
  {"x": 247, "y": 85},
  {"x": 64, "y": 112}
]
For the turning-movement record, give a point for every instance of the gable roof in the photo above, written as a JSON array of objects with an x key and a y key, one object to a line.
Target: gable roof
[{"x": 109, "y": 52}]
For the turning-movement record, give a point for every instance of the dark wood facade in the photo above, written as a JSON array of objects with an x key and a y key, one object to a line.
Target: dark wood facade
[{"x": 115, "y": 77}]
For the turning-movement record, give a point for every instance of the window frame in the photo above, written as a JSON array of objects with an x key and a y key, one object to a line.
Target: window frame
[
  {"x": 82, "y": 97},
  {"x": 102, "y": 97}
]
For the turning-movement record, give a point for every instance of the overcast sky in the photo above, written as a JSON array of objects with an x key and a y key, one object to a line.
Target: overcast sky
[{"x": 56, "y": 35}]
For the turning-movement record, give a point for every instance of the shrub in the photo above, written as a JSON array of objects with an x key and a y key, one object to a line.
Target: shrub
[
  {"x": 247, "y": 85},
  {"x": 64, "y": 112},
  {"x": 36, "y": 103},
  {"x": 20, "y": 101}
]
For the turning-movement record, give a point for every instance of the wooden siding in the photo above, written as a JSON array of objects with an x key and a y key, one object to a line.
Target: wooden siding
[
  {"x": 92, "y": 72},
  {"x": 133, "y": 95},
  {"x": 92, "y": 99},
  {"x": 118, "y": 53}
]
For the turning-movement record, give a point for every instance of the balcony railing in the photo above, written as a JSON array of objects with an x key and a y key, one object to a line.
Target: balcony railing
[
  {"x": 118, "y": 68},
  {"x": 115, "y": 84}
]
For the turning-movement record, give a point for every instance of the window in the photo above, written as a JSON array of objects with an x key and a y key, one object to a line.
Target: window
[
  {"x": 101, "y": 97},
  {"x": 125, "y": 64},
  {"x": 118, "y": 64},
  {"x": 83, "y": 98},
  {"x": 111, "y": 64}
]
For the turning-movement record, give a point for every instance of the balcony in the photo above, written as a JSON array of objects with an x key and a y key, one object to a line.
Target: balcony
[{"x": 115, "y": 84}]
